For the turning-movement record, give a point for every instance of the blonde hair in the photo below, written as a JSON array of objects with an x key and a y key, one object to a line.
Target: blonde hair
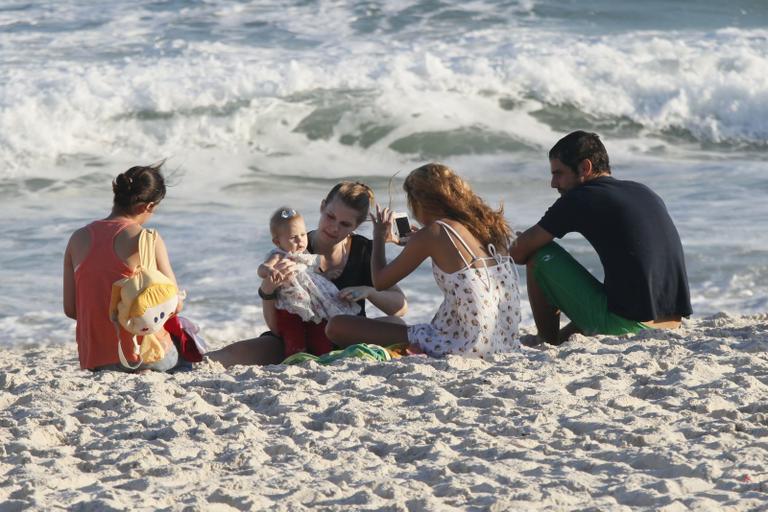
[
  {"x": 282, "y": 217},
  {"x": 437, "y": 189},
  {"x": 355, "y": 194},
  {"x": 151, "y": 296}
]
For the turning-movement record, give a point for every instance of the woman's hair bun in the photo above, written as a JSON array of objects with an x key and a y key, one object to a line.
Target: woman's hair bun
[
  {"x": 122, "y": 184},
  {"x": 140, "y": 184}
]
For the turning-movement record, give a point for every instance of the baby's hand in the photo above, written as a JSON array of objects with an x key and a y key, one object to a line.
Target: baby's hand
[
  {"x": 273, "y": 274},
  {"x": 282, "y": 271},
  {"x": 268, "y": 266}
]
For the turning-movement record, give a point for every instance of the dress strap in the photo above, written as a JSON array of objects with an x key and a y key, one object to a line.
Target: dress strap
[
  {"x": 495, "y": 254},
  {"x": 450, "y": 231}
]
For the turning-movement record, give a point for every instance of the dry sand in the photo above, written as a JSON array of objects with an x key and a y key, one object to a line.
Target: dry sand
[{"x": 659, "y": 421}]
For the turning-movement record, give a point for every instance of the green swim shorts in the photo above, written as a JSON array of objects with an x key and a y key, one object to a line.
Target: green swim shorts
[{"x": 571, "y": 288}]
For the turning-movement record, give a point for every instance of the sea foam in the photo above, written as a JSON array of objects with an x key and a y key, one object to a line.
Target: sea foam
[{"x": 387, "y": 101}]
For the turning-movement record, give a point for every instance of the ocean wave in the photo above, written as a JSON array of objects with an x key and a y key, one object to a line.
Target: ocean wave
[{"x": 421, "y": 99}]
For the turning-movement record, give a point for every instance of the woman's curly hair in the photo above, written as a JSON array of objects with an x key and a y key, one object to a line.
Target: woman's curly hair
[{"x": 436, "y": 188}]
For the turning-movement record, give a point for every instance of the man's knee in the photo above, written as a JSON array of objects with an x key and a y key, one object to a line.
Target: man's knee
[{"x": 537, "y": 265}]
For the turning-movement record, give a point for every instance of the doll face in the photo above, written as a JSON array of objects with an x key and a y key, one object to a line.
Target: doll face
[
  {"x": 153, "y": 318},
  {"x": 292, "y": 236}
]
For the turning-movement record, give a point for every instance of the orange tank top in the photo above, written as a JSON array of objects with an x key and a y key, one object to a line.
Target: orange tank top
[{"x": 95, "y": 332}]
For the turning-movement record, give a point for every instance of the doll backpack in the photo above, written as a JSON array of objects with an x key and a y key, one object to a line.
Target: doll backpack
[{"x": 141, "y": 303}]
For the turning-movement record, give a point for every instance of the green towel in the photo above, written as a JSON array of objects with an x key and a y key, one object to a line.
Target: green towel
[{"x": 360, "y": 351}]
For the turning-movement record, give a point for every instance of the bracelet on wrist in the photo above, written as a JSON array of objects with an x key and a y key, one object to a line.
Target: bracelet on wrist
[{"x": 267, "y": 296}]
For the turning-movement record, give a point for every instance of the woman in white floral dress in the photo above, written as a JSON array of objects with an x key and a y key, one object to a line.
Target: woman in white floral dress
[{"x": 467, "y": 242}]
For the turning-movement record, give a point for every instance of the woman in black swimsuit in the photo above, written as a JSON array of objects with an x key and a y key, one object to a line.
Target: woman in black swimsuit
[{"x": 348, "y": 266}]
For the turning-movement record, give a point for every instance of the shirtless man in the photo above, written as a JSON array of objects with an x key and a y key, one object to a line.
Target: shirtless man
[{"x": 645, "y": 284}]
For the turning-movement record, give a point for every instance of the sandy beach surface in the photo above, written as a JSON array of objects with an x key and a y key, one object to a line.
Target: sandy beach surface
[{"x": 668, "y": 421}]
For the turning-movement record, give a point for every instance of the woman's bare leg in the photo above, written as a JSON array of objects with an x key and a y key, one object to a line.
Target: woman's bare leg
[
  {"x": 263, "y": 350},
  {"x": 345, "y": 330},
  {"x": 392, "y": 319}
]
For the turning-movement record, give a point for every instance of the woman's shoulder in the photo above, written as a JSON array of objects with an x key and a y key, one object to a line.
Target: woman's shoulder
[
  {"x": 458, "y": 233},
  {"x": 133, "y": 231},
  {"x": 80, "y": 238},
  {"x": 455, "y": 224},
  {"x": 466, "y": 235},
  {"x": 360, "y": 246},
  {"x": 441, "y": 227},
  {"x": 358, "y": 236},
  {"x": 360, "y": 239}
]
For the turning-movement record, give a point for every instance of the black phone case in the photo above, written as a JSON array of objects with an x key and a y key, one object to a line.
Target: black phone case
[{"x": 403, "y": 226}]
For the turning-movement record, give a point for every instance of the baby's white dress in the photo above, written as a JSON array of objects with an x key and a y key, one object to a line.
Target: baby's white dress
[{"x": 308, "y": 294}]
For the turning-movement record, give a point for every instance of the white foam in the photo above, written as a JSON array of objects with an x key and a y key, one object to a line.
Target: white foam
[
  {"x": 241, "y": 99},
  {"x": 134, "y": 89}
]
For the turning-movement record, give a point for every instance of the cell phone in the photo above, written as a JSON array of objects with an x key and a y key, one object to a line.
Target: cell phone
[{"x": 403, "y": 226}]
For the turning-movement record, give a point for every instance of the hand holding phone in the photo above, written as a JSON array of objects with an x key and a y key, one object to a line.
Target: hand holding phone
[{"x": 403, "y": 226}]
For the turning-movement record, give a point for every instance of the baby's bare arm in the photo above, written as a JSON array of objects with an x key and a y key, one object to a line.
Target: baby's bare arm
[{"x": 265, "y": 269}]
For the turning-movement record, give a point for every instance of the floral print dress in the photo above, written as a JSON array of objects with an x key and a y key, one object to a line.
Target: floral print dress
[
  {"x": 310, "y": 295},
  {"x": 480, "y": 313}
]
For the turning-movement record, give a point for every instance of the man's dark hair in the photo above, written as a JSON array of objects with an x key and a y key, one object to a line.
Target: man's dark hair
[{"x": 578, "y": 146}]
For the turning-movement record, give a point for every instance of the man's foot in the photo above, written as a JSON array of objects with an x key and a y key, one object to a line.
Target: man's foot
[{"x": 531, "y": 340}]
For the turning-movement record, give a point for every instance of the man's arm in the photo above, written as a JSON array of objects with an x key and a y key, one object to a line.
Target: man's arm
[{"x": 530, "y": 241}]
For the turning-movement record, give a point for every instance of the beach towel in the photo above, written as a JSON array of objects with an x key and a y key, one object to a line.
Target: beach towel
[{"x": 358, "y": 351}]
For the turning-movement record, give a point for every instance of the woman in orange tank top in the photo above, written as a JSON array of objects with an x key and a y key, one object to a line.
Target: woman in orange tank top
[{"x": 105, "y": 251}]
